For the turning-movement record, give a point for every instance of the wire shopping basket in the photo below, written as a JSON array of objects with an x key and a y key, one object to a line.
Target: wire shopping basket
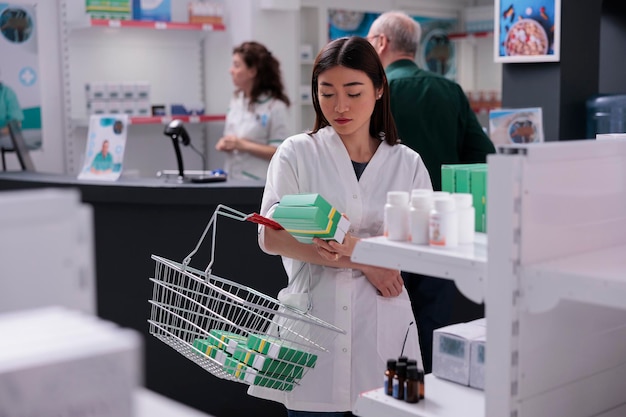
[{"x": 230, "y": 330}]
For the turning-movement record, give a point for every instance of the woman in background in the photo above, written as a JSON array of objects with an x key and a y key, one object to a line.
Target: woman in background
[
  {"x": 256, "y": 122},
  {"x": 352, "y": 158}
]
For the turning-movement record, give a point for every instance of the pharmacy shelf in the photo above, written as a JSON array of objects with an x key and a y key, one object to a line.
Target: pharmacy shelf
[
  {"x": 466, "y": 265},
  {"x": 161, "y": 120},
  {"x": 597, "y": 277},
  {"x": 443, "y": 399},
  {"x": 113, "y": 23}
]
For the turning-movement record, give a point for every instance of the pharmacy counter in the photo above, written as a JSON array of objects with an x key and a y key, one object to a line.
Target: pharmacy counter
[{"x": 135, "y": 218}]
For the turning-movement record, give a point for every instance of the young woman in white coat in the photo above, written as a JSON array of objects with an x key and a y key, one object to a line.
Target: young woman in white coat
[
  {"x": 256, "y": 122},
  {"x": 352, "y": 157}
]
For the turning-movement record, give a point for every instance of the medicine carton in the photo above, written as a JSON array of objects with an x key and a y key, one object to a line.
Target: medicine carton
[
  {"x": 468, "y": 178},
  {"x": 477, "y": 363},
  {"x": 451, "y": 351},
  {"x": 276, "y": 349},
  {"x": 226, "y": 340},
  {"x": 306, "y": 216},
  {"x": 152, "y": 10},
  {"x": 262, "y": 363},
  {"x": 254, "y": 377}
]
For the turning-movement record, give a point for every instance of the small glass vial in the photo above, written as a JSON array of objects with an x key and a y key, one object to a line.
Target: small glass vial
[
  {"x": 411, "y": 362},
  {"x": 404, "y": 359},
  {"x": 467, "y": 217},
  {"x": 399, "y": 380},
  {"x": 419, "y": 216},
  {"x": 397, "y": 216},
  {"x": 411, "y": 390},
  {"x": 443, "y": 230},
  {"x": 420, "y": 380},
  {"x": 389, "y": 374}
]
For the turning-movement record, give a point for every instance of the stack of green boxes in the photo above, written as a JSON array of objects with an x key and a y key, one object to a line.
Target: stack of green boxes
[
  {"x": 468, "y": 178},
  {"x": 109, "y": 9},
  {"x": 257, "y": 359},
  {"x": 306, "y": 216}
]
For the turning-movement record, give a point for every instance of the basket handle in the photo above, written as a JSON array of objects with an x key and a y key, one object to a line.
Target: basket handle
[{"x": 233, "y": 214}]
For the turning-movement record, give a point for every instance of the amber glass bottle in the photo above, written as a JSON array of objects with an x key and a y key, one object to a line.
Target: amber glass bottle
[
  {"x": 411, "y": 390},
  {"x": 389, "y": 374}
]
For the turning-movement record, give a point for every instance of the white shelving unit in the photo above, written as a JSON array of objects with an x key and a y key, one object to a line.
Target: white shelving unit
[
  {"x": 467, "y": 402},
  {"x": 169, "y": 55},
  {"x": 466, "y": 265},
  {"x": 556, "y": 288}
]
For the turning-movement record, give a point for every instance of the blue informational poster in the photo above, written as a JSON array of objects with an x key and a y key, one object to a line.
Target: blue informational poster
[
  {"x": 20, "y": 95},
  {"x": 104, "y": 153}
]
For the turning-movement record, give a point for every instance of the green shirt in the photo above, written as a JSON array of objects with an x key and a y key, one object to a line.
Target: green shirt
[
  {"x": 102, "y": 163},
  {"x": 434, "y": 118}
]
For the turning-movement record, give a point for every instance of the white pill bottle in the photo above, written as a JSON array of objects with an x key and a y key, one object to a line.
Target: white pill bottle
[
  {"x": 443, "y": 229},
  {"x": 467, "y": 217},
  {"x": 397, "y": 216},
  {"x": 419, "y": 216}
]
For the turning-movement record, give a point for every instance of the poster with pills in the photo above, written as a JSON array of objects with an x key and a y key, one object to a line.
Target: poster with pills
[{"x": 527, "y": 30}]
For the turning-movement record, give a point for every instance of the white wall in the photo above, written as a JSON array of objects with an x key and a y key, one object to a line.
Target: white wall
[{"x": 278, "y": 28}]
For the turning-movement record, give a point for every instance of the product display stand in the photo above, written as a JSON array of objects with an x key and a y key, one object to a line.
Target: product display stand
[{"x": 556, "y": 287}]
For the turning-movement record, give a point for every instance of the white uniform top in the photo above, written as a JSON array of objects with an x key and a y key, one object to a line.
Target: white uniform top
[
  {"x": 375, "y": 326},
  {"x": 266, "y": 125}
]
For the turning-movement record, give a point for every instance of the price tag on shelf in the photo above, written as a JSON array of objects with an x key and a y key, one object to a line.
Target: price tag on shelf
[
  {"x": 194, "y": 119},
  {"x": 207, "y": 27},
  {"x": 160, "y": 25},
  {"x": 115, "y": 23}
]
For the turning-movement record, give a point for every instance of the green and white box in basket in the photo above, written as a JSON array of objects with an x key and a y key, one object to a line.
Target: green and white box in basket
[{"x": 275, "y": 348}]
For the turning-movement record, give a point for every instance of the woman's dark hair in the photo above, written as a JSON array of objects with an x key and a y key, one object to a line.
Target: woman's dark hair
[
  {"x": 268, "y": 79},
  {"x": 356, "y": 53}
]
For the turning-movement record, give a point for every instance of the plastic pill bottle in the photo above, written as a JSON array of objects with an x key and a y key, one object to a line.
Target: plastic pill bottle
[
  {"x": 397, "y": 216},
  {"x": 419, "y": 216},
  {"x": 443, "y": 229},
  {"x": 467, "y": 217}
]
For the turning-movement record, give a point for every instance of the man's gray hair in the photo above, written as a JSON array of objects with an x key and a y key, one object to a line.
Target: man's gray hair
[{"x": 402, "y": 30}]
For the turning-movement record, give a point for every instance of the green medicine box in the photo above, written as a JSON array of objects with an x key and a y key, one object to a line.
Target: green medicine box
[
  {"x": 226, "y": 340},
  {"x": 468, "y": 178},
  {"x": 254, "y": 377},
  {"x": 275, "y": 349},
  {"x": 206, "y": 347},
  {"x": 267, "y": 365},
  {"x": 307, "y": 216}
]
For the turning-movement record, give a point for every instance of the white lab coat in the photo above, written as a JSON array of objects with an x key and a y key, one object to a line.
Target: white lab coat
[
  {"x": 266, "y": 125},
  {"x": 375, "y": 326}
]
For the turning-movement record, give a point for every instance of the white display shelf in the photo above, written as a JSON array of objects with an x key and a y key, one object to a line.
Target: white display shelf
[
  {"x": 161, "y": 120},
  {"x": 597, "y": 277},
  {"x": 443, "y": 399},
  {"x": 150, "y": 25},
  {"x": 466, "y": 265}
]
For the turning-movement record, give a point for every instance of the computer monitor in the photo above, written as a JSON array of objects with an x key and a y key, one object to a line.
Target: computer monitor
[{"x": 19, "y": 146}]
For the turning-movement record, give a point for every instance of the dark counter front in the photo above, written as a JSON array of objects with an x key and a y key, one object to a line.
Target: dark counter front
[{"x": 136, "y": 218}]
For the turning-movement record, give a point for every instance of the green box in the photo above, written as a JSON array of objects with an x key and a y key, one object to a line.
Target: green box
[
  {"x": 307, "y": 216},
  {"x": 267, "y": 365},
  {"x": 275, "y": 349},
  {"x": 302, "y": 200},
  {"x": 206, "y": 347},
  {"x": 254, "y": 377},
  {"x": 455, "y": 178},
  {"x": 479, "y": 197},
  {"x": 226, "y": 340}
]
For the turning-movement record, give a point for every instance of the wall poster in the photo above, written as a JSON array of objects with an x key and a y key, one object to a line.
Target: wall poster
[
  {"x": 527, "y": 30},
  {"x": 436, "y": 52},
  {"x": 104, "y": 153},
  {"x": 20, "y": 96}
]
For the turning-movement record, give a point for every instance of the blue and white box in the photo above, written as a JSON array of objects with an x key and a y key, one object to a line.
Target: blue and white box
[{"x": 152, "y": 10}]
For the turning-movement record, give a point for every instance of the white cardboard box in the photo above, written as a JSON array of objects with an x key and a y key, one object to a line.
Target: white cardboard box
[
  {"x": 451, "y": 351},
  {"x": 477, "y": 363},
  {"x": 56, "y": 362}
]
